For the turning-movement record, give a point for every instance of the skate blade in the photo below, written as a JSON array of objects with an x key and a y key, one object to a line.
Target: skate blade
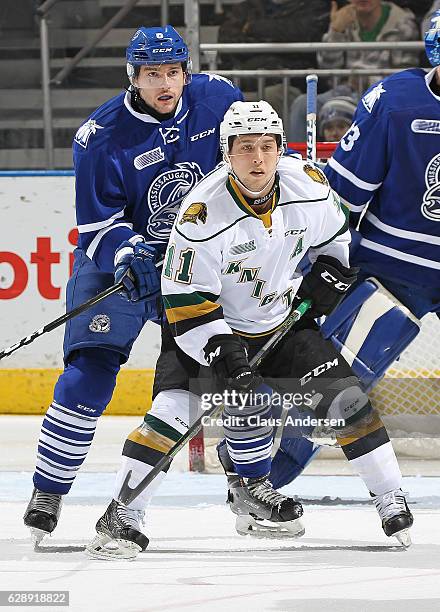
[
  {"x": 37, "y": 536},
  {"x": 111, "y": 549},
  {"x": 247, "y": 525},
  {"x": 404, "y": 538}
]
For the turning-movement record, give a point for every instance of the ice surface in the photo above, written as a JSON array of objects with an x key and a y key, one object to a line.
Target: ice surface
[{"x": 196, "y": 561}]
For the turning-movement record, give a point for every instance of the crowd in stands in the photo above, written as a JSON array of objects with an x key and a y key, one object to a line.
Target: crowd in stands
[
  {"x": 328, "y": 21},
  {"x": 264, "y": 21}
]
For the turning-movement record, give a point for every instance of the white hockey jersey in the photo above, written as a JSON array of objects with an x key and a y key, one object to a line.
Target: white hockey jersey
[{"x": 228, "y": 269}]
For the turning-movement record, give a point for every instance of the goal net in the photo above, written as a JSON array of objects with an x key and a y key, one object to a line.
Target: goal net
[{"x": 408, "y": 397}]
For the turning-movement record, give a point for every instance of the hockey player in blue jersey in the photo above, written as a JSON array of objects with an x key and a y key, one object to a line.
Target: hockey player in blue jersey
[
  {"x": 387, "y": 166},
  {"x": 135, "y": 158}
]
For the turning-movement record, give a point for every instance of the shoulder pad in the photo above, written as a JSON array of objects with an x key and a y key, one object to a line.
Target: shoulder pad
[
  {"x": 303, "y": 178},
  {"x": 211, "y": 85},
  {"x": 95, "y": 131},
  {"x": 391, "y": 92},
  {"x": 207, "y": 211}
]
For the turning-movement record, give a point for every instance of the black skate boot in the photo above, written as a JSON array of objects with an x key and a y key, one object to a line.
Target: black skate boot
[
  {"x": 42, "y": 514},
  {"x": 395, "y": 514},
  {"x": 261, "y": 511},
  {"x": 119, "y": 534}
]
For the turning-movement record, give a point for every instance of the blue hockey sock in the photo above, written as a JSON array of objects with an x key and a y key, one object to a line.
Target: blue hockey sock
[
  {"x": 248, "y": 433},
  {"x": 81, "y": 395}
]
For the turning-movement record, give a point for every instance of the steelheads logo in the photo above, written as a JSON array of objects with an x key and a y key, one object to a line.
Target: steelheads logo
[
  {"x": 165, "y": 195},
  {"x": 431, "y": 198}
]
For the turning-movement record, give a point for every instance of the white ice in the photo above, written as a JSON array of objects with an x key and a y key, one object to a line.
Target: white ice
[{"x": 195, "y": 560}]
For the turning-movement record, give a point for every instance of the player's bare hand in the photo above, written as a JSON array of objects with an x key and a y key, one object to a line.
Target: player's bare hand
[{"x": 341, "y": 18}]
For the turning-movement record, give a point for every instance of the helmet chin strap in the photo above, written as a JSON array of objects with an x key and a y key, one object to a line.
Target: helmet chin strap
[
  {"x": 253, "y": 193},
  {"x": 227, "y": 160}
]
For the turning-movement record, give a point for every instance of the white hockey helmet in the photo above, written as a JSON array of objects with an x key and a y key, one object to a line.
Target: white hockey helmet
[{"x": 250, "y": 118}]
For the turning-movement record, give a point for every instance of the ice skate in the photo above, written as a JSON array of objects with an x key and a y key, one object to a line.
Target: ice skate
[
  {"x": 42, "y": 514},
  {"x": 249, "y": 523},
  {"x": 245, "y": 524},
  {"x": 261, "y": 510},
  {"x": 119, "y": 534},
  {"x": 395, "y": 514}
]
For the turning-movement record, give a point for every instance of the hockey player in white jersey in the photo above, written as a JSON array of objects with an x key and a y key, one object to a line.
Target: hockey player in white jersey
[{"x": 231, "y": 276}]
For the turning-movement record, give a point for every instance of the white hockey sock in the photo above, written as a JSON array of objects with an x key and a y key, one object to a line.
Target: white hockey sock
[
  {"x": 379, "y": 469},
  {"x": 139, "y": 471}
]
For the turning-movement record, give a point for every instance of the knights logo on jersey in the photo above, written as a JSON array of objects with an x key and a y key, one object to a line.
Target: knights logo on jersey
[
  {"x": 165, "y": 195},
  {"x": 315, "y": 174},
  {"x": 85, "y": 131},
  {"x": 194, "y": 213},
  {"x": 431, "y": 198}
]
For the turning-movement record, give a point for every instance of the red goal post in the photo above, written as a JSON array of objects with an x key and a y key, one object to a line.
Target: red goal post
[{"x": 324, "y": 150}]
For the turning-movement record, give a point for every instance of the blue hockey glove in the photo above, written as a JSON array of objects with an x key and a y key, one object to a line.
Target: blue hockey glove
[{"x": 135, "y": 268}]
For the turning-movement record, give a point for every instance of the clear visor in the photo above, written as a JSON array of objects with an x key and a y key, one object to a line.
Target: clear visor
[
  {"x": 252, "y": 145},
  {"x": 159, "y": 76}
]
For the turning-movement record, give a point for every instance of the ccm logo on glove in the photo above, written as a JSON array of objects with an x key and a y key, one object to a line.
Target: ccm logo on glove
[
  {"x": 338, "y": 285},
  {"x": 226, "y": 354},
  {"x": 325, "y": 285}
]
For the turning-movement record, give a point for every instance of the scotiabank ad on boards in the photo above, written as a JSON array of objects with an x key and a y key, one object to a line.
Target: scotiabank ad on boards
[{"x": 37, "y": 238}]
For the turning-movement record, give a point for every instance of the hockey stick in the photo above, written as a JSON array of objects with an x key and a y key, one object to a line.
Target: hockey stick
[
  {"x": 312, "y": 92},
  {"x": 66, "y": 317},
  {"x": 61, "y": 320},
  {"x": 128, "y": 494}
]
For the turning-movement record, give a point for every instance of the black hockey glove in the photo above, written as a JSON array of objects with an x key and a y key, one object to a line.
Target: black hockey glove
[
  {"x": 325, "y": 284},
  {"x": 226, "y": 354}
]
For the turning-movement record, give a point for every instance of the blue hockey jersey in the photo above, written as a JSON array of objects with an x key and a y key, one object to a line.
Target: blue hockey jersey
[
  {"x": 133, "y": 171},
  {"x": 389, "y": 164}
]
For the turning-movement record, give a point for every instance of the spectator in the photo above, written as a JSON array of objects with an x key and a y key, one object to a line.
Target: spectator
[
  {"x": 367, "y": 21},
  {"x": 264, "y": 21},
  {"x": 335, "y": 117}
]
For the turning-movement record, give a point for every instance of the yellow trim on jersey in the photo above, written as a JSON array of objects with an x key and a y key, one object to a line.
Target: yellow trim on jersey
[
  {"x": 266, "y": 217},
  {"x": 181, "y": 313}
]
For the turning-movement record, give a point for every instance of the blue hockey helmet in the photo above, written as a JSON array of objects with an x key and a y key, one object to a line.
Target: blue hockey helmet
[
  {"x": 432, "y": 39},
  {"x": 152, "y": 46}
]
